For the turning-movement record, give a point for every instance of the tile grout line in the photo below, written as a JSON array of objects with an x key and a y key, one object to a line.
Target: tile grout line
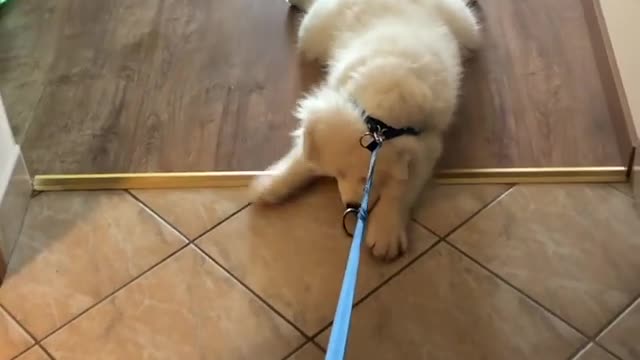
[
  {"x": 224, "y": 220},
  {"x": 33, "y": 346},
  {"x": 583, "y": 349},
  {"x": 186, "y": 241},
  {"x": 156, "y": 214},
  {"x": 23, "y": 328},
  {"x": 313, "y": 344},
  {"x": 318, "y": 346},
  {"x": 621, "y": 191},
  {"x": 175, "y": 228},
  {"x": 290, "y": 354},
  {"x": 24, "y": 351},
  {"x": 515, "y": 288},
  {"x": 619, "y": 315},
  {"x": 46, "y": 351},
  {"x": 611, "y": 353},
  {"x": 253, "y": 292},
  {"x": 589, "y": 339},
  {"x": 380, "y": 285},
  {"x": 112, "y": 293},
  {"x": 474, "y": 215},
  {"x": 186, "y": 244},
  {"x": 580, "y": 351}
]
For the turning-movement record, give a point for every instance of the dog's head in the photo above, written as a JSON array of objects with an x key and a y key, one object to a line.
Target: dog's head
[{"x": 330, "y": 132}]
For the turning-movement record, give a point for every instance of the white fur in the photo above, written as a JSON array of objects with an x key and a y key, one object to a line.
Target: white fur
[{"x": 401, "y": 61}]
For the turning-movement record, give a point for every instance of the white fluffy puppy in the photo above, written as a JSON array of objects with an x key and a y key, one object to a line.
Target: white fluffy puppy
[{"x": 400, "y": 62}]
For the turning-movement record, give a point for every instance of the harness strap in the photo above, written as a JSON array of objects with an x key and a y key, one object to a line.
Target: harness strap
[{"x": 384, "y": 131}]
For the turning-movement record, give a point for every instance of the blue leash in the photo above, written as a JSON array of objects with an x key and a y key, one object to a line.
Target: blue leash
[{"x": 342, "y": 320}]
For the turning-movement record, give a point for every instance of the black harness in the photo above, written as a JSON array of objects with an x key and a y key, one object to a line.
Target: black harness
[{"x": 379, "y": 131}]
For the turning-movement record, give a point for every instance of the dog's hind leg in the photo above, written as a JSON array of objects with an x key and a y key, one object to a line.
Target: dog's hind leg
[
  {"x": 288, "y": 175},
  {"x": 317, "y": 31},
  {"x": 463, "y": 23}
]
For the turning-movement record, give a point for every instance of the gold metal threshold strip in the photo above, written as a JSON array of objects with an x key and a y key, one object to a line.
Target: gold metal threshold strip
[{"x": 173, "y": 180}]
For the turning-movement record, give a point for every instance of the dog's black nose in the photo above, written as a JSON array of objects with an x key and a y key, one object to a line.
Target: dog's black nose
[{"x": 353, "y": 205}]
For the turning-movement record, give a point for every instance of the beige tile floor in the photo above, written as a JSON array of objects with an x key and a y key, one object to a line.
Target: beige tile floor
[{"x": 494, "y": 272}]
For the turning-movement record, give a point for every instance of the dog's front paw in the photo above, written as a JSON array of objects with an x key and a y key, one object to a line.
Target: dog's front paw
[
  {"x": 266, "y": 189},
  {"x": 387, "y": 244}
]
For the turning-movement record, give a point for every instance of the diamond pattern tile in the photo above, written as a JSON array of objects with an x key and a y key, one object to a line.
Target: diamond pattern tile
[
  {"x": 35, "y": 353},
  {"x": 594, "y": 352},
  {"x": 75, "y": 249},
  {"x": 623, "y": 337},
  {"x": 574, "y": 248},
  {"x": 444, "y": 306},
  {"x": 13, "y": 339},
  {"x": 194, "y": 211},
  {"x": 308, "y": 352},
  {"x": 186, "y": 308},
  {"x": 294, "y": 255},
  {"x": 443, "y": 208}
]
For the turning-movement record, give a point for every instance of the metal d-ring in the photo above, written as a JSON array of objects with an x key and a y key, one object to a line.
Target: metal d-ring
[
  {"x": 344, "y": 219},
  {"x": 369, "y": 137}
]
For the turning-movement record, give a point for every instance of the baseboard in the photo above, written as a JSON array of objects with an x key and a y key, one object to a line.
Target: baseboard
[{"x": 13, "y": 208}]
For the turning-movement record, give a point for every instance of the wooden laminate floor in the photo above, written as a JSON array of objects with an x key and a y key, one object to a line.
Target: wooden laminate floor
[{"x": 201, "y": 85}]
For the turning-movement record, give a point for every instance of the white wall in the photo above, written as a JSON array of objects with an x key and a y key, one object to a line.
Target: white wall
[
  {"x": 624, "y": 29},
  {"x": 621, "y": 17},
  {"x": 8, "y": 151}
]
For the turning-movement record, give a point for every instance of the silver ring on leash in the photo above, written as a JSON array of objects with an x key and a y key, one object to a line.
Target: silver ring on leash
[
  {"x": 344, "y": 219},
  {"x": 368, "y": 137}
]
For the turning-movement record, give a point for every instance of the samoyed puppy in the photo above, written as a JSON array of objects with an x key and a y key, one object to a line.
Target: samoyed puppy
[{"x": 398, "y": 61}]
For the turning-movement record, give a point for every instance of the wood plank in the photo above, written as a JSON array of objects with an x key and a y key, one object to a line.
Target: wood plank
[
  {"x": 533, "y": 97},
  {"x": 209, "y": 85},
  {"x": 162, "y": 85}
]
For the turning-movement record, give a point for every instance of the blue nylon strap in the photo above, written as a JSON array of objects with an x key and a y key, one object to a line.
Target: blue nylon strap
[{"x": 341, "y": 323}]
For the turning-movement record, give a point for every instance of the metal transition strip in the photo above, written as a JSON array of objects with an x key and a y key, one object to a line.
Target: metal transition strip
[{"x": 173, "y": 180}]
